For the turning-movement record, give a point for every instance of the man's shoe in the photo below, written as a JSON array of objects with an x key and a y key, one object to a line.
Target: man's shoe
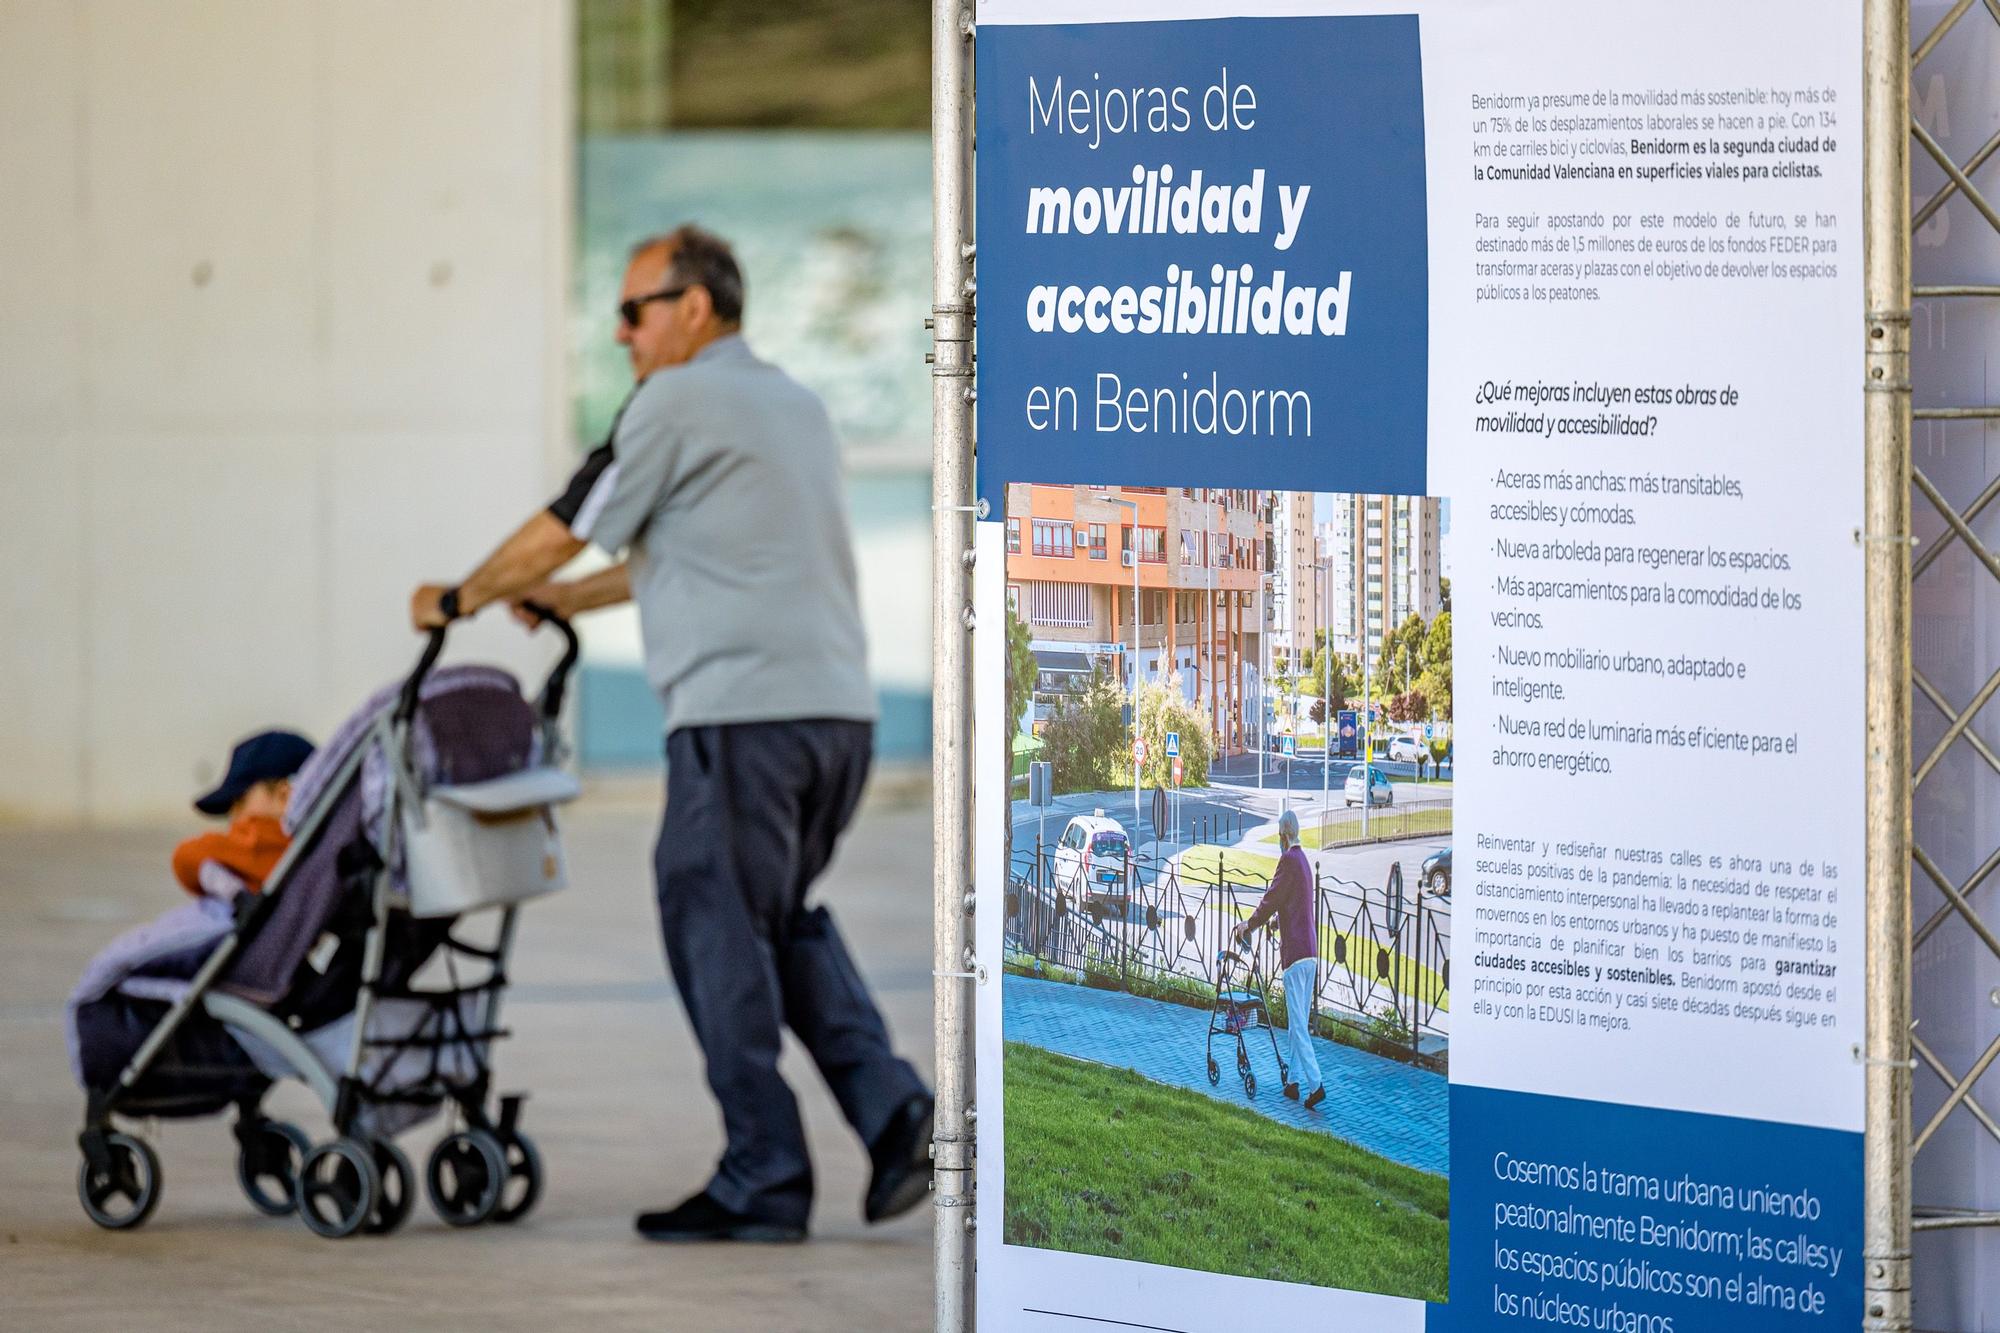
[
  {"x": 901, "y": 1154},
  {"x": 1315, "y": 1097},
  {"x": 1292, "y": 1091},
  {"x": 702, "y": 1218}
]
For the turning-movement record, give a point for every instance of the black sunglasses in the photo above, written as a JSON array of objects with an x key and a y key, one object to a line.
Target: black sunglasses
[{"x": 630, "y": 308}]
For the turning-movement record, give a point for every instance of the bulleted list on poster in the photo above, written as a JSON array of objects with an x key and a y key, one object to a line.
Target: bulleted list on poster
[{"x": 1646, "y": 620}]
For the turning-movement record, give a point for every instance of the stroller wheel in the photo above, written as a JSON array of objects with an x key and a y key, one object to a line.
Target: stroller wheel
[
  {"x": 1249, "y": 1085},
  {"x": 468, "y": 1171},
  {"x": 1214, "y": 1071},
  {"x": 267, "y": 1165},
  {"x": 339, "y": 1188},
  {"x": 399, "y": 1189},
  {"x": 523, "y": 1188},
  {"x": 126, "y": 1193}
]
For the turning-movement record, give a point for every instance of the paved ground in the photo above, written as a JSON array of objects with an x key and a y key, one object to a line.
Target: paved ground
[
  {"x": 618, "y": 1108},
  {"x": 1384, "y": 1106}
]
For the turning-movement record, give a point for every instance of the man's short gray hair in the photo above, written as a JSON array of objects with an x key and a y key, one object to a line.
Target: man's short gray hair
[
  {"x": 701, "y": 257},
  {"x": 1288, "y": 828}
]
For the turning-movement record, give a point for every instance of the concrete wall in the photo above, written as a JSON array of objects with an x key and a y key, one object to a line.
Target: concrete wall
[{"x": 281, "y": 333}]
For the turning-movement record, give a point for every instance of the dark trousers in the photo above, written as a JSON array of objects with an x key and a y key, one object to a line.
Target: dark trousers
[{"x": 753, "y": 811}]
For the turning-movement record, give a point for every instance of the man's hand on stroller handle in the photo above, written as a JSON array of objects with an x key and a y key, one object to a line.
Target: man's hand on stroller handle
[
  {"x": 571, "y": 598},
  {"x": 427, "y": 608},
  {"x": 523, "y": 562}
]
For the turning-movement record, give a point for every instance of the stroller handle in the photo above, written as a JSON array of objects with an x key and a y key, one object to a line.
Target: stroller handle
[
  {"x": 558, "y": 682},
  {"x": 406, "y": 704},
  {"x": 552, "y": 690}
]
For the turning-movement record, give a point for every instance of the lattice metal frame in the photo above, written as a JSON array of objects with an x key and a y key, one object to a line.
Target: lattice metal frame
[{"x": 1958, "y": 911}]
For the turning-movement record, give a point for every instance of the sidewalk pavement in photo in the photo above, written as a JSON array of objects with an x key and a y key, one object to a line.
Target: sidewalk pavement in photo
[
  {"x": 1389, "y": 1108},
  {"x": 617, "y": 1105}
]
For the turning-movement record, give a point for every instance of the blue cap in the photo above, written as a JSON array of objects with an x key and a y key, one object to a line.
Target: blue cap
[{"x": 266, "y": 757}]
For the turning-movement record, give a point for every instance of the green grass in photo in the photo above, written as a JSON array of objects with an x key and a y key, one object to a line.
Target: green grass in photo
[
  {"x": 1201, "y": 863},
  {"x": 1383, "y": 822},
  {"x": 1101, "y": 1161}
]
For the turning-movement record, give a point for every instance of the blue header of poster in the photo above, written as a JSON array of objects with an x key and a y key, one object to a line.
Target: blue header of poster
[{"x": 1203, "y": 254}]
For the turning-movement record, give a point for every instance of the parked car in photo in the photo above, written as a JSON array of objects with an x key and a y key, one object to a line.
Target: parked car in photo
[
  {"x": 1365, "y": 783},
  {"x": 1436, "y": 874},
  {"x": 1407, "y": 750},
  {"x": 1092, "y": 861}
]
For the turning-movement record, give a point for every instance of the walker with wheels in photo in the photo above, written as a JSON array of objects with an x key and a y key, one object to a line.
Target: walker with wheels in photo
[{"x": 1240, "y": 1006}]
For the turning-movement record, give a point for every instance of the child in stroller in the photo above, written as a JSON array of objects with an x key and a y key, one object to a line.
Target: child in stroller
[
  {"x": 434, "y": 801},
  {"x": 251, "y": 796}
]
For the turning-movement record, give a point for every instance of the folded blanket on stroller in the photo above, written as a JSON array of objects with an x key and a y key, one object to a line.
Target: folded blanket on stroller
[{"x": 153, "y": 961}]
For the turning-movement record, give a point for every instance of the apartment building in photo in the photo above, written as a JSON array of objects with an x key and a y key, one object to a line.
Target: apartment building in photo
[
  {"x": 1296, "y": 608},
  {"x": 1199, "y": 560},
  {"x": 1384, "y": 557}
]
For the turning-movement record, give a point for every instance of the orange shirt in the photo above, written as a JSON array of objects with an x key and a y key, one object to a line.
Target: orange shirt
[{"x": 249, "y": 848}]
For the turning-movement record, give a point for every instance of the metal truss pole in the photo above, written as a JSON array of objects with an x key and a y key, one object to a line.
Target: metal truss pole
[
  {"x": 951, "y": 322},
  {"x": 1886, "y": 573}
]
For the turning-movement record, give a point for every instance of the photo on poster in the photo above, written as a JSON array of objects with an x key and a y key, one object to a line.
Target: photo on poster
[{"x": 1250, "y": 803}]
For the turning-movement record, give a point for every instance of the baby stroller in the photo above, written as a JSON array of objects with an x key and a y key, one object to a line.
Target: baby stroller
[
  {"x": 1239, "y": 1008},
  {"x": 433, "y": 802}
]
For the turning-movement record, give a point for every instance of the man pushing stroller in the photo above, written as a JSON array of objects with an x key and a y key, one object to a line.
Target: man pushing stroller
[
  {"x": 1290, "y": 900},
  {"x": 720, "y": 487}
]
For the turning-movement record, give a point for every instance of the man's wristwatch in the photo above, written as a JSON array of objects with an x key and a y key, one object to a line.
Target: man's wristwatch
[{"x": 448, "y": 604}]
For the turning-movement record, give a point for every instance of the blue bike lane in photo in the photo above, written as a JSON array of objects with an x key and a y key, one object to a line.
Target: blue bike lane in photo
[{"x": 1386, "y": 1107}]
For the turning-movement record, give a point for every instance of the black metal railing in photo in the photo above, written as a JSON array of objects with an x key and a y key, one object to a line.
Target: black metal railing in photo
[{"x": 1155, "y": 926}]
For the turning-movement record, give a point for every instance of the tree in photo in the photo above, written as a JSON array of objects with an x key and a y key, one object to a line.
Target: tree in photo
[
  {"x": 1435, "y": 682},
  {"x": 1409, "y": 706},
  {"x": 1402, "y": 659},
  {"x": 1332, "y": 677},
  {"x": 1285, "y": 687},
  {"x": 1162, "y": 708},
  {"x": 1086, "y": 739},
  {"x": 1022, "y": 670}
]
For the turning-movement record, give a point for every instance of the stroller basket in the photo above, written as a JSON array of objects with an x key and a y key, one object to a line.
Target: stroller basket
[
  {"x": 485, "y": 844},
  {"x": 1238, "y": 1010}
]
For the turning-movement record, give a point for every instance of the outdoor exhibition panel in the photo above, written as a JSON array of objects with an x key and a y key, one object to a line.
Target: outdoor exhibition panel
[{"x": 1531, "y": 325}]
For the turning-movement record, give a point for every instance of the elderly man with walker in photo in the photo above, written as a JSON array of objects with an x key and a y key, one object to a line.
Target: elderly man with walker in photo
[
  {"x": 1290, "y": 899},
  {"x": 722, "y": 478}
]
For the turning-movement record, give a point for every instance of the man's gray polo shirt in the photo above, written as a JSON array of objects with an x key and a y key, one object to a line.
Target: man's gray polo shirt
[{"x": 722, "y": 476}]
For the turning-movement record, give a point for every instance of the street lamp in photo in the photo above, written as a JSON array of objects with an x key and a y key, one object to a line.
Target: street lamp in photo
[
  {"x": 1133, "y": 528},
  {"x": 1325, "y": 691},
  {"x": 1264, "y": 705},
  {"x": 1368, "y": 716}
]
